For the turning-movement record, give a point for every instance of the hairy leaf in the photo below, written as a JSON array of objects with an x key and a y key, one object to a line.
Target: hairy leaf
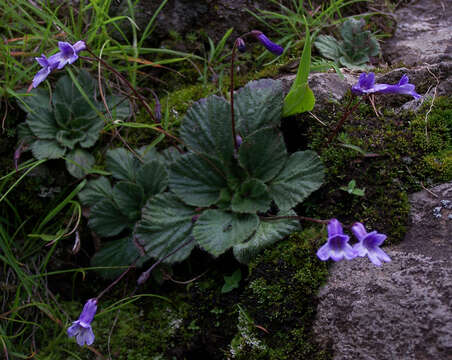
[
  {"x": 122, "y": 164},
  {"x": 96, "y": 191},
  {"x": 216, "y": 231},
  {"x": 206, "y": 128},
  {"x": 47, "y": 149},
  {"x": 166, "y": 223},
  {"x": 42, "y": 124},
  {"x": 153, "y": 178},
  {"x": 251, "y": 197},
  {"x": 302, "y": 174},
  {"x": 267, "y": 233},
  {"x": 263, "y": 154},
  {"x": 107, "y": 220},
  {"x": 122, "y": 252},
  {"x": 129, "y": 198},
  {"x": 79, "y": 162},
  {"x": 197, "y": 180},
  {"x": 257, "y": 105}
]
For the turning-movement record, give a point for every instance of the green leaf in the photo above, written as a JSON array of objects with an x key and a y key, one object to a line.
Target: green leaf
[
  {"x": 119, "y": 107},
  {"x": 47, "y": 149},
  {"x": 206, "y": 128},
  {"x": 34, "y": 101},
  {"x": 79, "y": 162},
  {"x": 216, "y": 230},
  {"x": 231, "y": 282},
  {"x": 92, "y": 133},
  {"x": 96, "y": 191},
  {"x": 263, "y": 154},
  {"x": 300, "y": 97},
  {"x": 129, "y": 197},
  {"x": 257, "y": 105},
  {"x": 267, "y": 233},
  {"x": 251, "y": 197},
  {"x": 122, "y": 252},
  {"x": 298, "y": 101},
  {"x": 107, "y": 220},
  {"x": 68, "y": 138},
  {"x": 196, "y": 180},
  {"x": 170, "y": 155},
  {"x": 302, "y": 174},
  {"x": 122, "y": 164},
  {"x": 153, "y": 178},
  {"x": 149, "y": 154},
  {"x": 166, "y": 223},
  {"x": 42, "y": 124},
  {"x": 328, "y": 46}
]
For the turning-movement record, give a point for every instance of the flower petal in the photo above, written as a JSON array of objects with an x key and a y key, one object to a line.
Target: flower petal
[
  {"x": 373, "y": 257},
  {"x": 359, "y": 231},
  {"x": 349, "y": 252},
  {"x": 324, "y": 252},
  {"x": 40, "y": 76},
  {"x": 334, "y": 228},
  {"x": 74, "y": 329},
  {"x": 382, "y": 255}
]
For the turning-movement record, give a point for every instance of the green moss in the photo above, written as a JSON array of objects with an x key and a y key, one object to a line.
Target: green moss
[
  {"x": 397, "y": 157},
  {"x": 278, "y": 307}
]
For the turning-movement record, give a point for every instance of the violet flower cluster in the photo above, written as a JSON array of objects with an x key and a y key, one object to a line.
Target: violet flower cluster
[
  {"x": 67, "y": 55},
  {"x": 81, "y": 328},
  {"x": 366, "y": 85},
  {"x": 338, "y": 248}
]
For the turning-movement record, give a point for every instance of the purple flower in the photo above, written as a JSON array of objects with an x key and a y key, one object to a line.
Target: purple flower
[
  {"x": 366, "y": 85},
  {"x": 270, "y": 45},
  {"x": 369, "y": 244},
  {"x": 68, "y": 53},
  {"x": 48, "y": 66},
  {"x": 241, "y": 45},
  {"x": 81, "y": 328},
  {"x": 337, "y": 246},
  {"x": 403, "y": 87}
]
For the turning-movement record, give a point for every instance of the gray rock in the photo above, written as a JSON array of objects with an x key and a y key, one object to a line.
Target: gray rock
[
  {"x": 402, "y": 310},
  {"x": 209, "y": 17},
  {"x": 423, "y": 34}
]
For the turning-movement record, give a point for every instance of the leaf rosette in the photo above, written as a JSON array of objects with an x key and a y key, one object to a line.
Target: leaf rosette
[{"x": 67, "y": 122}]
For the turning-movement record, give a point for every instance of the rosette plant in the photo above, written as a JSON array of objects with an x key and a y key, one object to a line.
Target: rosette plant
[
  {"x": 223, "y": 193},
  {"x": 65, "y": 123},
  {"x": 355, "y": 48},
  {"x": 220, "y": 194},
  {"x": 115, "y": 208}
]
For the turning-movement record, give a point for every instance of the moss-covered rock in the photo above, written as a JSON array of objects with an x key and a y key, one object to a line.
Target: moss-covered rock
[{"x": 278, "y": 306}]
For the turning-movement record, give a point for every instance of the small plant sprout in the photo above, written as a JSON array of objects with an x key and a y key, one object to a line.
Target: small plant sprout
[
  {"x": 81, "y": 328},
  {"x": 232, "y": 282},
  {"x": 352, "y": 189}
]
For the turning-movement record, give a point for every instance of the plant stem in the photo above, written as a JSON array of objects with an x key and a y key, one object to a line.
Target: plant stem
[
  {"x": 234, "y": 48},
  {"x": 145, "y": 275},
  {"x": 344, "y": 117}
]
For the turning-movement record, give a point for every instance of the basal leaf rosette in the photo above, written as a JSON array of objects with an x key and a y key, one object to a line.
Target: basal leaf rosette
[
  {"x": 67, "y": 121},
  {"x": 115, "y": 209}
]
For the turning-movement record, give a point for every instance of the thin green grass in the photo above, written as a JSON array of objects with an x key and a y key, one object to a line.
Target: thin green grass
[{"x": 290, "y": 22}]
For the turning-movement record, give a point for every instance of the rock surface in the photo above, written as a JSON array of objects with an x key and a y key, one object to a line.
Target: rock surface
[
  {"x": 402, "y": 310},
  {"x": 423, "y": 34}
]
